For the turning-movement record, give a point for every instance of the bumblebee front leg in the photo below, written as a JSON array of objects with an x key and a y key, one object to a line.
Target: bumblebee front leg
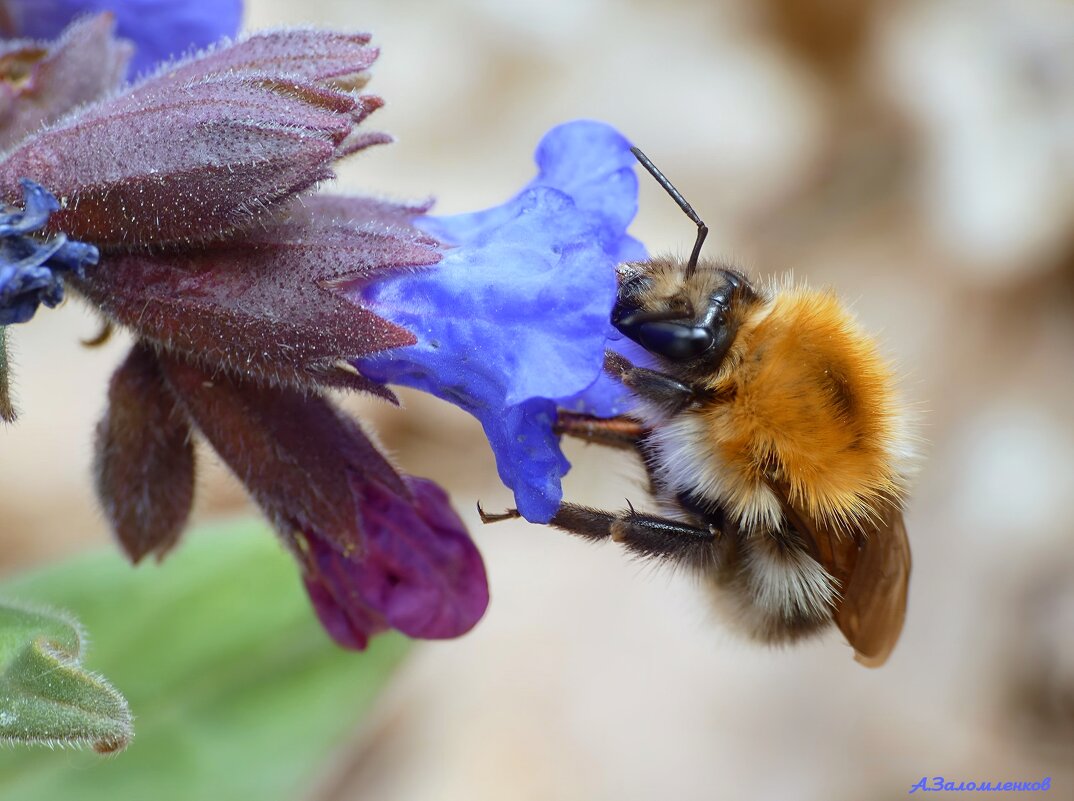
[
  {"x": 663, "y": 391},
  {"x": 612, "y": 432},
  {"x": 652, "y": 537}
]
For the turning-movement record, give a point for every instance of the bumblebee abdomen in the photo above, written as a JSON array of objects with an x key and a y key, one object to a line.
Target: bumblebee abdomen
[{"x": 772, "y": 590}]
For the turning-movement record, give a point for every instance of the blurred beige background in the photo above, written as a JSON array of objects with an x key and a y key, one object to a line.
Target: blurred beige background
[{"x": 917, "y": 156}]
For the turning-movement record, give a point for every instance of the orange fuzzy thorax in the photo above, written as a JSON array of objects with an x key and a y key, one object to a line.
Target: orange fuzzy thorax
[{"x": 808, "y": 403}]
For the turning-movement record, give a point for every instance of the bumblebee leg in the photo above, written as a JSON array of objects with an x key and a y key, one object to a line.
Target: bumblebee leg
[
  {"x": 613, "y": 432},
  {"x": 506, "y": 514},
  {"x": 663, "y": 391},
  {"x": 651, "y": 537},
  {"x": 644, "y": 535}
]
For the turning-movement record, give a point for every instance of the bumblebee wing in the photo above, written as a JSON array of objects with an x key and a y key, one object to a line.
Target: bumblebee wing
[
  {"x": 873, "y": 606},
  {"x": 872, "y": 571}
]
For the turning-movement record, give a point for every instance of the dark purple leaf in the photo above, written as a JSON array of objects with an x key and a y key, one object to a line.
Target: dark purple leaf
[
  {"x": 308, "y": 55},
  {"x": 160, "y": 29},
  {"x": 274, "y": 306},
  {"x": 7, "y": 408},
  {"x": 294, "y": 451},
  {"x": 144, "y": 459},
  {"x": 187, "y": 165},
  {"x": 210, "y": 147},
  {"x": 379, "y": 549}
]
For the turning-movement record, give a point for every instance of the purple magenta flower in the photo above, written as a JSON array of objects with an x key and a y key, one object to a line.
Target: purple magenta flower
[
  {"x": 420, "y": 574},
  {"x": 32, "y": 268},
  {"x": 160, "y": 29},
  {"x": 513, "y": 322}
]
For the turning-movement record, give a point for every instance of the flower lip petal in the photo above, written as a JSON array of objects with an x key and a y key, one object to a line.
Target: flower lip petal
[
  {"x": 591, "y": 162},
  {"x": 515, "y": 319},
  {"x": 508, "y": 321},
  {"x": 586, "y": 160}
]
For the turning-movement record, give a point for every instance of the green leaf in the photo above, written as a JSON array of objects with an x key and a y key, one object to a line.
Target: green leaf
[
  {"x": 7, "y": 410},
  {"x": 45, "y": 695},
  {"x": 237, "y": 693}
]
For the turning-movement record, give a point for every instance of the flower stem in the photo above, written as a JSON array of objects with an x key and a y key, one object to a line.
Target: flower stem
[{"x": 7, "y": 410}]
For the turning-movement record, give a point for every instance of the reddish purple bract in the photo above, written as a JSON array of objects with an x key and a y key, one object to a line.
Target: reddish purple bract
[
  {"x": 239, "y": 288},
  {"x": 38, "y": 85}
]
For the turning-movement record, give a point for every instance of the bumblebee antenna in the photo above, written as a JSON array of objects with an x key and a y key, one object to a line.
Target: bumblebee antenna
[{"x": 676, "y": 195}]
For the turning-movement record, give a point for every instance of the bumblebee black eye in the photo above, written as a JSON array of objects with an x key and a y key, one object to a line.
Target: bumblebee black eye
[
  {"x": 677, "y": 342},
  {"x": 675, "y": 333},
  {"x": 678, "y": 331}
]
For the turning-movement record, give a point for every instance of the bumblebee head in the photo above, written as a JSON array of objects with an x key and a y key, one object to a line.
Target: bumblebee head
[{"x": 685, "y": 318}]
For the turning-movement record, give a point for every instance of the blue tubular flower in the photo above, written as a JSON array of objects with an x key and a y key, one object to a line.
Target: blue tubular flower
[
  {"x": 514, "y": 320},
  {"x": 32, "y": 269},
  {"x": 161, "y": 29}
]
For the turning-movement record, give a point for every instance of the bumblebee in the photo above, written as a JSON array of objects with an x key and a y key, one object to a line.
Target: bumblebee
[{"x": 775, "y": 445}]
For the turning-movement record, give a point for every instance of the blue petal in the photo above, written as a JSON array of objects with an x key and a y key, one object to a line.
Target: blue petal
[
  {"x": 32, "y": 269},
  {"x": 589, "y": 161},
  {"x": 513, "y": 322},
  {"x": 160, "y": 29}
]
